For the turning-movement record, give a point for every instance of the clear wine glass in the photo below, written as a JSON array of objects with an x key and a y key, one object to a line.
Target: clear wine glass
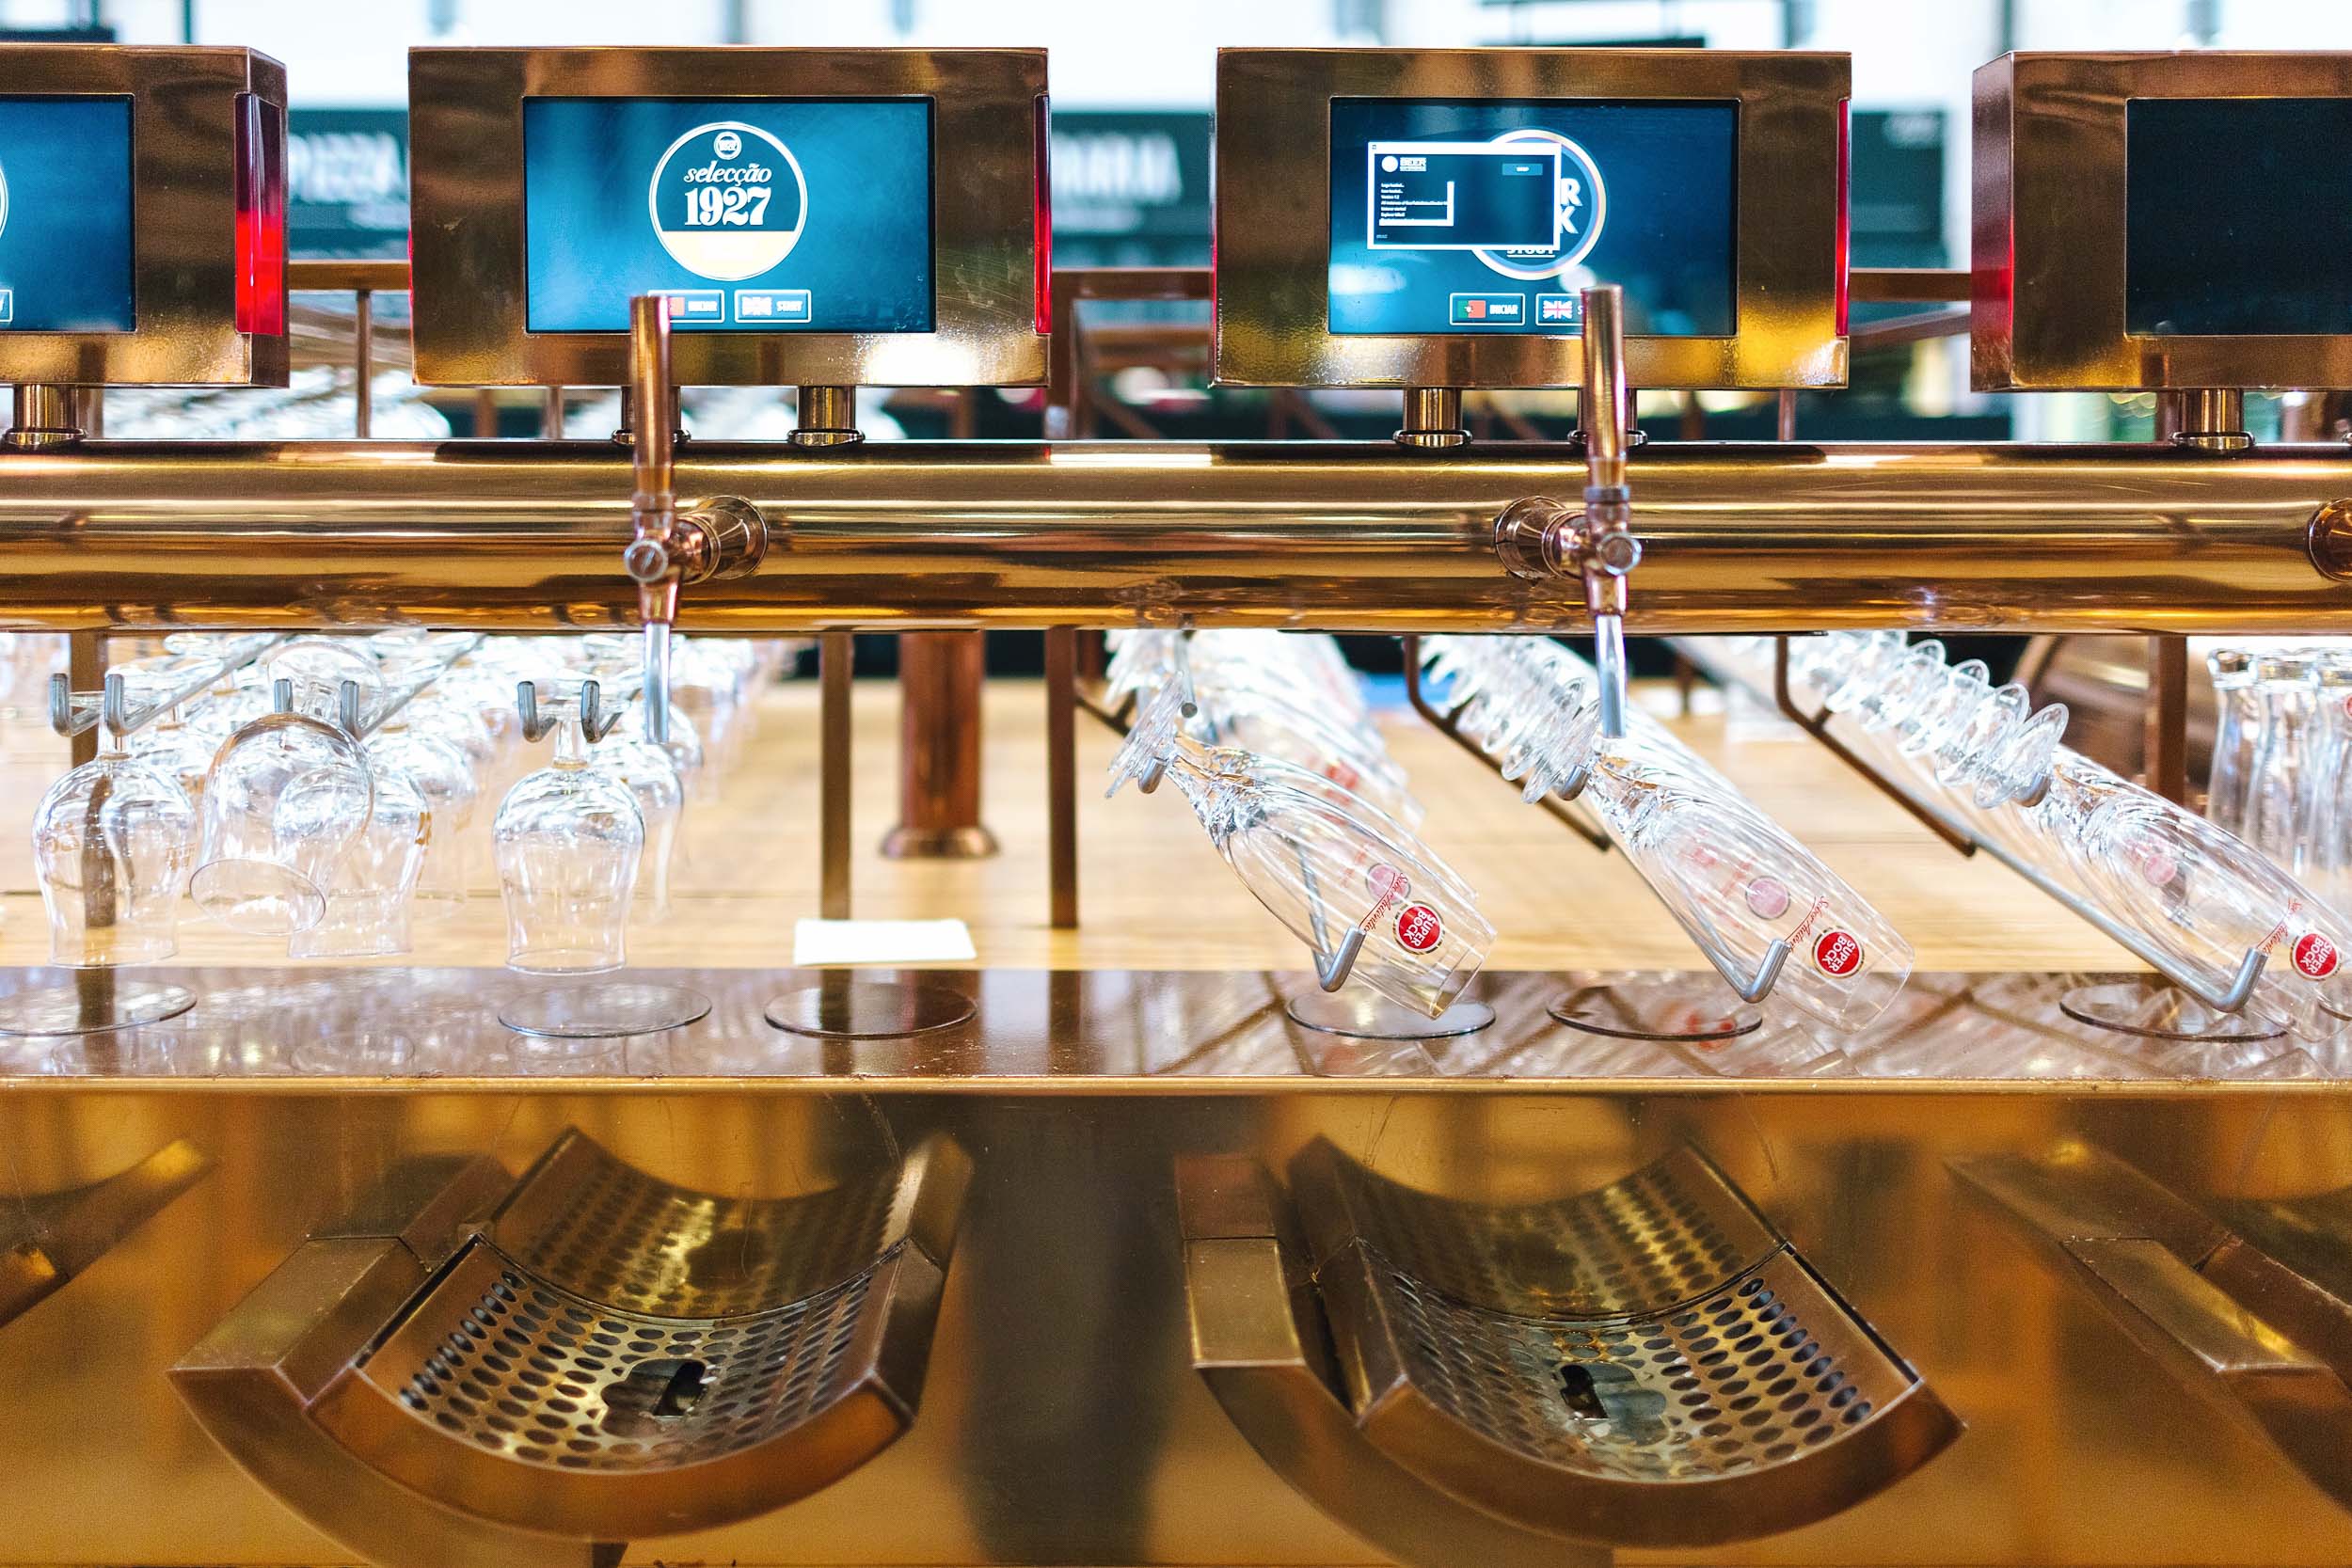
[
  {"x": 112, "y": 843},
  {"x": 445, "y": 776},
  {"x": 569, "y": 839},
  {"x": 370, "y": 890},
  {"x": 285, "y": 797}
]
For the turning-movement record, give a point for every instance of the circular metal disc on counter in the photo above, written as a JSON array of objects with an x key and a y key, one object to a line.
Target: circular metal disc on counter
[
  {"x": 1367, "y": 1016},
  {"x": 869, "y": 1009},
  {"x": 602, "y": 1011},
  {"x": 2158, "y": 1011},
  {"x": 1695, "y": 1011},
  {"x": 65, "y": 1010}
]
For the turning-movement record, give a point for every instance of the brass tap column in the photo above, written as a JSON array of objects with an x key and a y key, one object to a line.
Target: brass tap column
[{"x": 44, "y": 419}]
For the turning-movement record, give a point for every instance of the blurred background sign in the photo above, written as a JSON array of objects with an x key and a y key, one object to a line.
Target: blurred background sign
[
  {"x": 1131, "y": 187},
  {"x": 347, "y": 178}
]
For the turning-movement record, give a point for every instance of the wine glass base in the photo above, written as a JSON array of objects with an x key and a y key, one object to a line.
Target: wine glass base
[
  {"x": 602, "y": 1011},
  {"x": 1368, "y": 1016},
  {"x": 869, "y": 1009},
  {"x": 67, "y": 1010},
  {"x": 1685, "y": 1011},
  {"x": 2155, "y": 1010}
]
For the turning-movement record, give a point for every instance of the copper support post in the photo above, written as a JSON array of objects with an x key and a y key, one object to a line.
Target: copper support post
[
  {"x": 86, "y": 669},
  {"x": 486, "y": 412},
  {"x": 1061, "y": 774},
  {"x": 836, "y": 656},
  {"x": 2165, "y": 749},
  {"x": 941, "y": 675},
  {"x": 363, "y": 363}
]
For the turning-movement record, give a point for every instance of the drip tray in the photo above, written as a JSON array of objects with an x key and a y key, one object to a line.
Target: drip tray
[
  {"x": 580, "y": 1358},
  {"x": 1648, "y": 1364}
]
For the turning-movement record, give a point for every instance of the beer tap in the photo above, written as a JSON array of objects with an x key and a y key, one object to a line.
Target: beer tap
[
  {"x": 721, "y": 537},
  {"x": 1540, "y": 538}
]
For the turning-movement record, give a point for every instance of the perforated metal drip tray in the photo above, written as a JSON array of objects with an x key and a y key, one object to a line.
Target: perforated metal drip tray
[
  {"x": 1646, "y": 1364},
  {"x": 600, "y": 1356}
]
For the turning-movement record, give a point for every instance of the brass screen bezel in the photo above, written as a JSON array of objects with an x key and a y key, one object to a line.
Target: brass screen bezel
[
  {"x": 1274, "y": 148},
  {"x": 466, "y": 215},
  {"x": 183, "y": 216},
  {"x": 2048, "y": 206}
]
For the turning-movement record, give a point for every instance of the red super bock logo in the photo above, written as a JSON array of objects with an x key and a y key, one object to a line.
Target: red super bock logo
[
  {"x": 1418, "y": 928},
  {"x": 2316, "y": 956},
  {"x": 1838, "y": 954}
]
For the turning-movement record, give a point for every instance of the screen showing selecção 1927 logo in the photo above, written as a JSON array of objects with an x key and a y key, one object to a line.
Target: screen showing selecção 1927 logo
[
  {"x": 1488, "y": 215},
  {"x": 751, "y": 214},
  {"x": 65, "y": 215},
  {"x": 727, "y": 200}
]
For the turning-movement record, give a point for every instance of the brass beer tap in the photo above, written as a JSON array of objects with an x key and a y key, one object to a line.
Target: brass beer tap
[
  {"x": 1540, "y": 537},
  {"x": 722, "y": 537}
]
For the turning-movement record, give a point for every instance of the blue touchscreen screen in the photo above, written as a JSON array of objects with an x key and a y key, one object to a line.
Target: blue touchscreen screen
[
  {"x": 751, "y": 214},
  {"x": 1488, "y": 214},
  {"x": 65, "y": 215}
]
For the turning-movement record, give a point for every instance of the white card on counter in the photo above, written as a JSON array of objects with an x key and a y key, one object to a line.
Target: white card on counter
[{"x": 832, "y": 943}]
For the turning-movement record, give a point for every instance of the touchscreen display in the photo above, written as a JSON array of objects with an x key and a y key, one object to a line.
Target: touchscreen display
[
  {"x": 1465, "y": 216},
  {"x": 2261, "y": 244},
  {"x": 751, "y": 214},
  {"x": 65, "y": 215}
]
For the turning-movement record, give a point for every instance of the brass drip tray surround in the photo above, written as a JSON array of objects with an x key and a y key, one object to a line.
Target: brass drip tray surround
[
  {"x": 587, "y": 1357},
  {"x": 1646, "y": 1364},
  {"x": 2249, "y": 1308}
]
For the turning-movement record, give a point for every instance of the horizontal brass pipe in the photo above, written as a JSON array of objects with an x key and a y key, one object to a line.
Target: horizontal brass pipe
[{"x": 1339, "y": 537}]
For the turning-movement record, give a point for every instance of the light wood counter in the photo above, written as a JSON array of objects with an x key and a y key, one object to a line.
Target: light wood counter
[{"x": 1153, "y": 894}]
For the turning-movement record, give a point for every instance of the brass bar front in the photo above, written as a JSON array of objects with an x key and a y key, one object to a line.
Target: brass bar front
[{"x": 1359, "y": 536}]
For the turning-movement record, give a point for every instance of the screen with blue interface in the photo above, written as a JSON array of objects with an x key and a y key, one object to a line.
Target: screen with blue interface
[
  {"x": 1467, "y": 215},
  {"x": 751, "y": 214}
]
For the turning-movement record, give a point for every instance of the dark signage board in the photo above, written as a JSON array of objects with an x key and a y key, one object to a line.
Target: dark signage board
[
  {"x": 1896, "y": 196},
  {"x": 347, "y": 183},
  {"x": 1131, "y": 187}
]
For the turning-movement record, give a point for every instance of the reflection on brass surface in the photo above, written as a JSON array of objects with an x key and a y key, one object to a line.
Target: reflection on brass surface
[
  {"x": 186, "y": 103},
  {"x": 48, "y": 1238},
  {"x": 1645, "y": 1364},
  {"x": 297, "y": 1030},
  {"x": 2049, "y": 220},
  {"x": 466, "y": 199},
  {"x": 1274, "y": 231},
  {"x": 2238, "y": 1328},
  {"x": 607, "y": 1357},
  {"x": 1773, "y": 537}
]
